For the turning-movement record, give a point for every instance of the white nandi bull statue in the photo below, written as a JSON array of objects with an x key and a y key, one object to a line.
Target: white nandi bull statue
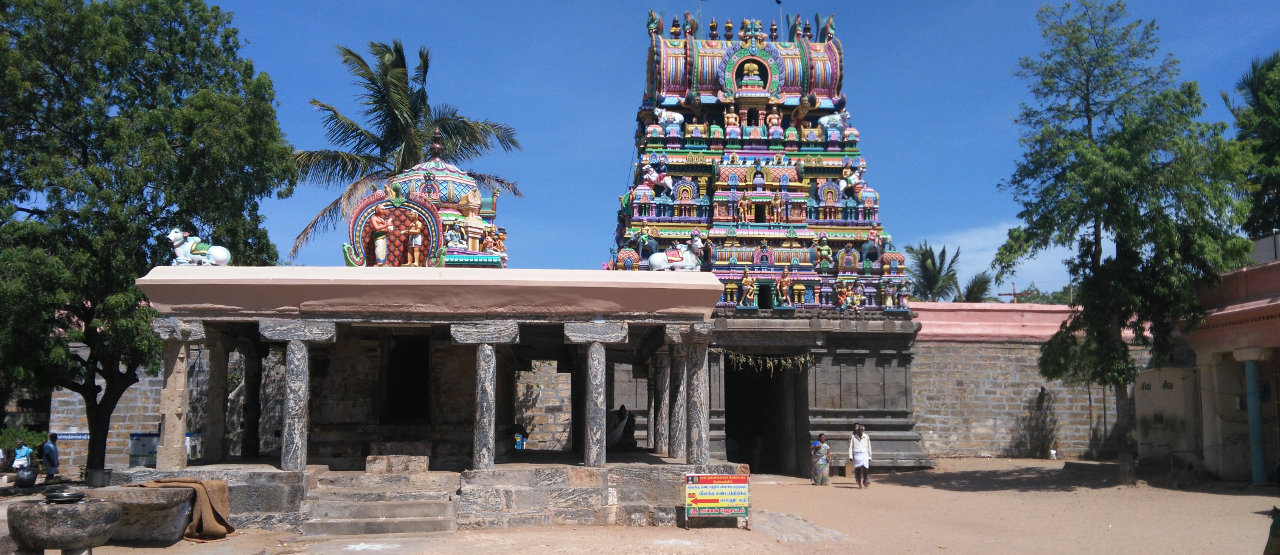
[
  {"x": 191, "y": 251},
  {"x": 667, "y": 117},
  {"x": 836, "y": 122},
  {"x": 681, "y": 258}
]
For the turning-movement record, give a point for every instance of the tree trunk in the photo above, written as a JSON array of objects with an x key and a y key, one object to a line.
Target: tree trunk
[
  {"x": 98, "y": 413},
  {"x": 1123, "y": 433}
]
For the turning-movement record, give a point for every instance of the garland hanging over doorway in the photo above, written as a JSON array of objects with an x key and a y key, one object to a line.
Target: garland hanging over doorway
[{"x": 766, "y": 364}]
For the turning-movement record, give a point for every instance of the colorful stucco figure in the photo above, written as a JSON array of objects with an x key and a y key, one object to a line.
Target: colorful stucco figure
[{"x": 433, "y": 214}]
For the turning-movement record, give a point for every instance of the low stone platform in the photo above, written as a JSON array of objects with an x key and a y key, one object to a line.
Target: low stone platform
[
  {"x": 262, "y": 496},
  {"x": 618, "y": 494},
  {"x": 150, "y": 515}
]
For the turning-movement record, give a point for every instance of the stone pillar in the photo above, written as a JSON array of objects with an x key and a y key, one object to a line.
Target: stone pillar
[
  {"x": 250, "y": 441},
  {"x": 677, "y": 439},
  {"x": 177, "y": 335},
  {"x": 297, "y": 381},
  {"x": 484, "y": 336},
  {"x": 594, "y": 452},
  {"x": 297, "y": 398},
  {"x": 213, "y": 434},
  {"x": 699, "y": 407},
  {"x": 1253, "y": 401},
  {"x": 595, "y": 334},
  {"x": 660, "y": 422}
]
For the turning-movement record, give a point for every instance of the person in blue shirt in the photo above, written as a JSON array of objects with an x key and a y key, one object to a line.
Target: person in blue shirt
[
  {"x": 21, "y": 455},
  {"x": 49, "y": 457}
]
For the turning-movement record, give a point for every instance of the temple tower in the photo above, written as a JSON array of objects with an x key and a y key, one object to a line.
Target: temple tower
[{"x": 749, "y": 166}]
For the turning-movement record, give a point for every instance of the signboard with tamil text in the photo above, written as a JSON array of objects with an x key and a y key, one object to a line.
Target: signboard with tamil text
[{"x": 717, "y": 494}]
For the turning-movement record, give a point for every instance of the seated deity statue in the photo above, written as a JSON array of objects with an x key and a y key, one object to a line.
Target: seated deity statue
[{"x": 455, "y": 238}]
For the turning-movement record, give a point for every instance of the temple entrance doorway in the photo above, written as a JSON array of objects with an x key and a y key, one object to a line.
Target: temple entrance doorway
[
  {"x": 765, "y": 295},
  {"x": 406, "y": 385},
  {"x": 759, "y": 415}
]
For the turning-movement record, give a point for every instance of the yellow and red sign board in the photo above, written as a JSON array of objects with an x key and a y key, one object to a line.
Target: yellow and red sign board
[{"x": 717, "y": 494}]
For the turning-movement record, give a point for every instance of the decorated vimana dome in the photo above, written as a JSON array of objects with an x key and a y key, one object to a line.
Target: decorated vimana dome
[
  {"x": 432, "y": 214},
  {"x": 749, "y": 167}
]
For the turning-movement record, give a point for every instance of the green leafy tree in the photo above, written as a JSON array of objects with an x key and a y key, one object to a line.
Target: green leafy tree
[
  {"x": 1033, "y": 295},
  {"x": 978, "y": 289},
  {"x": 397, "y": 134},
  {"x": 1258, "y": 124},
  {"x": 933, "y": 275},
  {"x": 1116, "y": 159},
  {"x": 118, "y": 121}
]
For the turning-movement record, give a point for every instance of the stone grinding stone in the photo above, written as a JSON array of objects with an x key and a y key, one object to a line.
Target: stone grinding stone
[{"x": 150, "y": 515}]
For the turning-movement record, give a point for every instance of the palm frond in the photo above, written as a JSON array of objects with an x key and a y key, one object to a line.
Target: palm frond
[
  {"x": 933, "y": 275},
  {"x": 329, "y": 167},
  {"x": 466, "y": 139},
  {"x": 337, "y": 211},
  {"x": 345, "y": 132},
  {"x": 489, "y": 182},
  {"x": 424, "y": 65},
  {"x": 978, "y": 289}
]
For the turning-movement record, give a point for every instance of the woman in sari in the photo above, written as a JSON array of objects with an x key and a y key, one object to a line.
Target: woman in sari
[{"x": 821, "y": 461}]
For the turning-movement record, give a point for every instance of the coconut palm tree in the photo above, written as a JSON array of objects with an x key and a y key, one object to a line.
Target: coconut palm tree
[
  {"x": 933, "y": 276},
  {"x": 397, "y": 133},
  {"x": 1258, "y": 123},
  {"x": 978, "y": 290}
]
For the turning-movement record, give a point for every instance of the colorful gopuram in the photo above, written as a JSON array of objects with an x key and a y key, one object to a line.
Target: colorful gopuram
[
  {"x": 749, "y": 167},
  {"x": 433, "y": 214}
]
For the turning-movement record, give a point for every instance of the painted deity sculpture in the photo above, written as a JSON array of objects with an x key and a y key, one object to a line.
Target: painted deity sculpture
[
  {"x": 455, "y": 238},
  {"x": 747, "y": 286},
  {"x": 414, "y": 233},
  {"x": 783, "y": 293},
  {"x": 382, "y": 226}
]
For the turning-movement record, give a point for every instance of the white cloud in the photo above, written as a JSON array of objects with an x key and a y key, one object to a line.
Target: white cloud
[{"x": 978, "y": 248}]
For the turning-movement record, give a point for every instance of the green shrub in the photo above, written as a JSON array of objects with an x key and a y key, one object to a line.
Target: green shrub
[{"x": 10, "y": 436}]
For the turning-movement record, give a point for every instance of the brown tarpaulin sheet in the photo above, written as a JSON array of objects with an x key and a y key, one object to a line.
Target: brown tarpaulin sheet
[{"x": 211, "y": 510}]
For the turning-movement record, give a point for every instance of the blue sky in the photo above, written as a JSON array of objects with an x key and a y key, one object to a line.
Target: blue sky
[{"x": 929, "y": 83}]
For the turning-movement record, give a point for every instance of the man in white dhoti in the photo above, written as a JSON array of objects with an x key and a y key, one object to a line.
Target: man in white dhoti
[{"x": 860, "y": 454}]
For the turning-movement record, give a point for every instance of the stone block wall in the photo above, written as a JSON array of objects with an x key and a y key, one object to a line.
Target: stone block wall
[
  {"x": 989, "y": 399},
  {"x": 629, "y": 495},
  {"x": 139, "y": 411},
  {"x": 453, "y": 407},
  {"x": 543, "y": 407},
  {"x": 632, "y": 389}
]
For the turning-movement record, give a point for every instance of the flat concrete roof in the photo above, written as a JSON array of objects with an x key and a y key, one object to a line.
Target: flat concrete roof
[
  {"x": 428, "y": 294},
  {"x": 1242, "y": 312}
]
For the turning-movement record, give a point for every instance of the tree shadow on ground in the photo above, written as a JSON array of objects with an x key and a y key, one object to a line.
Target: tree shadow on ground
[{"x": 1013, "y": 479}]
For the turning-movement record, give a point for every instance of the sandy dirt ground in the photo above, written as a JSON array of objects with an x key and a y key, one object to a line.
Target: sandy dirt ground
[{"x": 963, "y": 506}]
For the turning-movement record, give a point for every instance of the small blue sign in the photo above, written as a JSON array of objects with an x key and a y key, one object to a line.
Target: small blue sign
[{"x": 72, "y": 436}]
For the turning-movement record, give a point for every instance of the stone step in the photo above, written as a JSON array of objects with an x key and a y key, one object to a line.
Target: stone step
[
  {"x": 860, "y": 414},
  {"x": 891, "y": 459},
  {"x": 435, "y": 481},
  {"x": 842, "y": 436},
  {"x": 365, "y": 526},
  {"x": 360, "y": 494},
  {"x": 333, "y": 509},
  {"x": 872, "y": 424}
]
